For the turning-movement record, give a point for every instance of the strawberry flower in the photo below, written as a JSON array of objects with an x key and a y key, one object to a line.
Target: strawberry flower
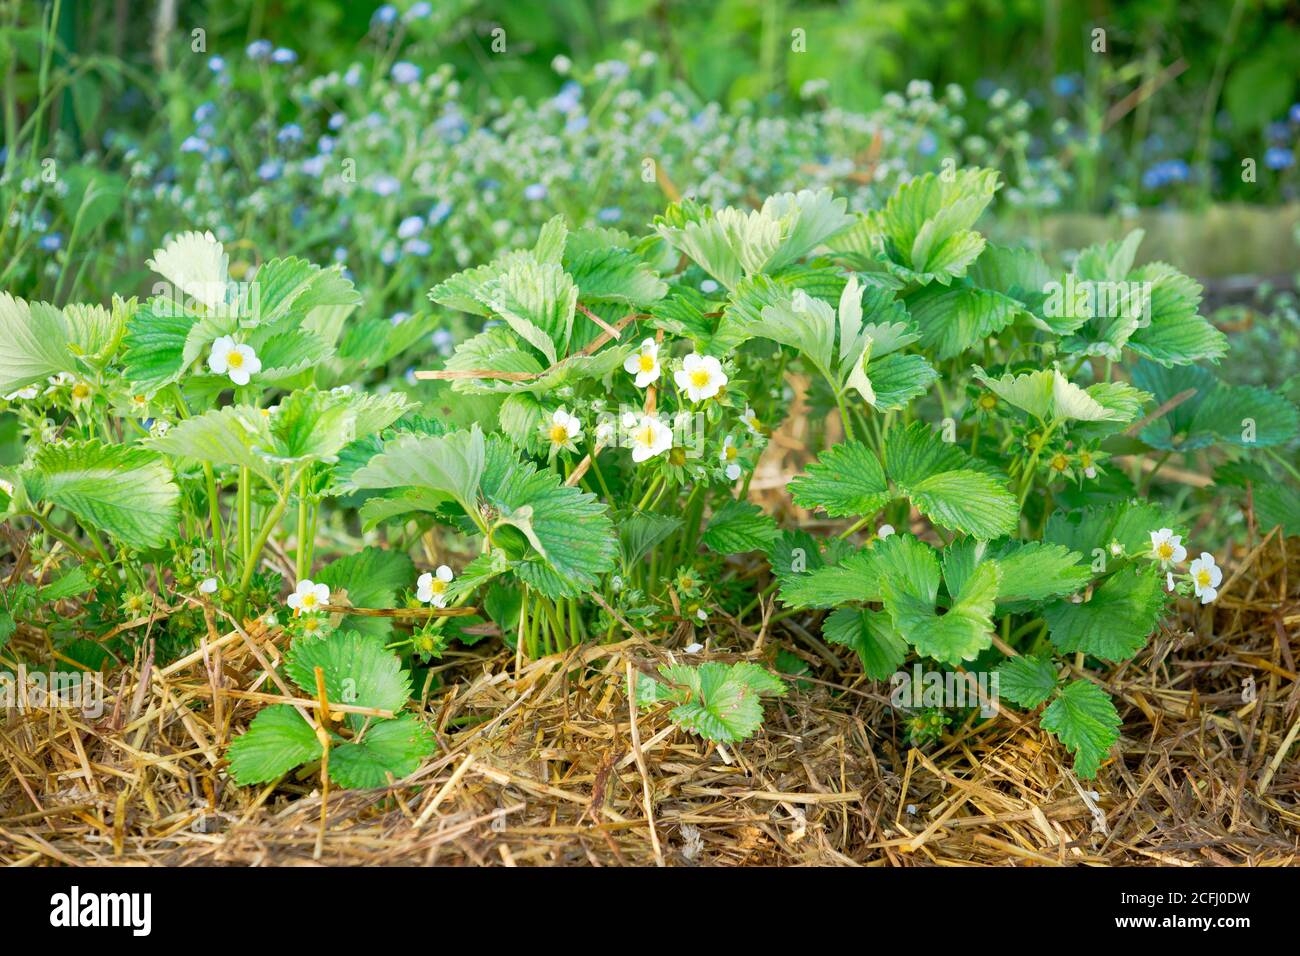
[
  {"x": 650, "y": 437},
  {"x": 563, "y": 430},
  {"x": 1167, "y": 547},
  {"x": 432, "y": 588},
  {"x": 700, "y": 376},
  {"x": 235, "y": 359},
  {"x": 1206, "y": 577},
  {"x": 308, "y": 597},
  {"x": 644, "y": 364}
]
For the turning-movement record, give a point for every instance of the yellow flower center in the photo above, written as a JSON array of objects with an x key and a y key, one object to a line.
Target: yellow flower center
[
  {"x": 1060, "y": 463},
  {"x": 1085, "y": 459},
  {"x": 646, "y": 362},
  {"x": 700, "y": 377},
  {"x": 439, "y": 586},
  {"x": 235, "y": 359},
  {"x": 1165, "y": 550},
  {"x": 645, "y": 436},
  {"x": 559, "y": 434},
  {"x": 1203, "y": 578},
  {"x": 309, "y": 599},
  {"x": 80, "y": 390},
  {"x": 988, "y": 402},
  {"x": 731, "y": 452}
]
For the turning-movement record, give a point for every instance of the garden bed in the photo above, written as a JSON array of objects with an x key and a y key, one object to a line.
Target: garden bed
[{"x": 546, "y": 764}]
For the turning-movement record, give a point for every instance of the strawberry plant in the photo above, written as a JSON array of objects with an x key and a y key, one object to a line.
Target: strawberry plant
[
  {"x": 344, "y": 668},
  {"x": 579, "y": 467},
  {"x": 1028, "y": 544}
]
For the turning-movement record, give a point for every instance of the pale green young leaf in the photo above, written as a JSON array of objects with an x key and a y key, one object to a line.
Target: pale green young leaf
[
  {"x": 616, "y": 275},
  {"x": 197, "y": 265},
  {"x": 33, "y": 343},
  {"x": 224, "y": 436},
  {"x": 1109, "y": 261},
  {"x": 552, "y": 241},
  {"x": 813, "y": 217},
  {"x": 538, "y": 303},
  {"x": 451, "y": 464},
  {"x": 127, "y": 492}
]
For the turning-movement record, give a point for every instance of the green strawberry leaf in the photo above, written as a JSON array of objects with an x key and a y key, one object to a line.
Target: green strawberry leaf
[
  {"x": 357, "y": 670},
  {"x": 277, "y": 741},
  {"x": 372, "y": 578},
  {"x": 739, "y": 527},
  {"x": 124, "y": 491},
  {"x": 845, "y": 479},
  {"x": 1027, "y": 681},
  {"x": 1115, "y": 624},
  {"x": 388, "y": 747},
  {"x": 871, "y": 635},
  {"x": 1084, "y": 719}
]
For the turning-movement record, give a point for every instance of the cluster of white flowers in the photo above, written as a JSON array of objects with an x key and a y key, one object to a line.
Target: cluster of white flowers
[{"x": 1206, "y": 576}]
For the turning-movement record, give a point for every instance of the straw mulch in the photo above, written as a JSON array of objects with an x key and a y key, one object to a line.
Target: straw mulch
[{"x": 548, "y": 765}]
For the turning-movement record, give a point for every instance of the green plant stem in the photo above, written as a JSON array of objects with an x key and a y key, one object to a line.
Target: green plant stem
[
  {"x": 259, "y": 543},
  {"x": 1284, "y": 463},
  {"x": 68, "y": 541},
  {"x": 694, "y": 511},
  {"x": 1151, "y": 475},
  {"x": 600, "y": 478},
  {"x": 302, "y": 564},
  {"x": 845, "y": 421},
  {"x": 654, "y": 486},
  {"x": 748, "y": 608},
  {"x": 856, "y": 526},
  {"x": 245, "y": 513},
  {"x": 1033, "y": 464},
  {"x": 214, "y": 518}
]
